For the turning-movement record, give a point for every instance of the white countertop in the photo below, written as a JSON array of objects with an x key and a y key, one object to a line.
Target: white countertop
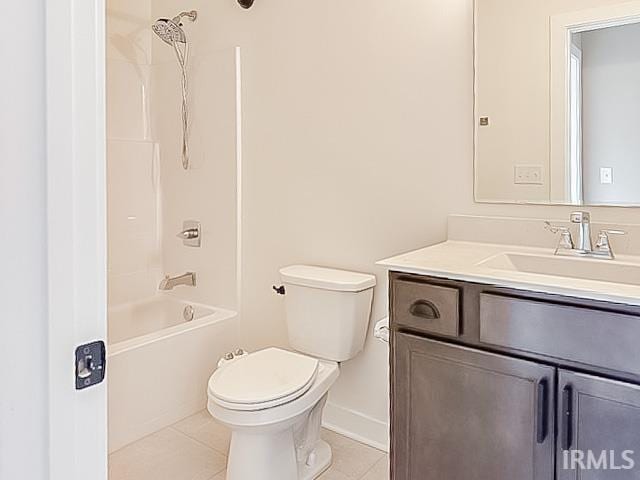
[{"x": 459, "y": 260}]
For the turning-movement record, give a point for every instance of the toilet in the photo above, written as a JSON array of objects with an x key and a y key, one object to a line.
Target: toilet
[{"x": 272, "y": 400}]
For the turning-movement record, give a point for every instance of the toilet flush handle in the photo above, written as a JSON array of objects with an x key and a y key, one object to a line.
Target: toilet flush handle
[{"x": 279, "y": 290}]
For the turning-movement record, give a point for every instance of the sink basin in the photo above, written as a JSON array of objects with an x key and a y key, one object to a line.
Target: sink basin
[{"x": 613, "y": 271}]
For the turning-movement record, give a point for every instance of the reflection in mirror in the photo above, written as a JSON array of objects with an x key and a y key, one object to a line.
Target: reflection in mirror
[
  {"x": 604, "y": 116},
  {"x": 558, "y": 102},
  {"x": 575, "y": 188}
]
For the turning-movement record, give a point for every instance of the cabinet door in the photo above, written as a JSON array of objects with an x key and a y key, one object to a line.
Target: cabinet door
[
  {"x": 463, "y": 414},
  {"x": 599, "y": 420}
]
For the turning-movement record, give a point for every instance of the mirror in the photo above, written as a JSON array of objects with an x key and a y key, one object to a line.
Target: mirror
[{"x": 557, "y": 102}]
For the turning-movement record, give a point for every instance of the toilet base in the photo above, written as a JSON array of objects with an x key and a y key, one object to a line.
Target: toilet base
[
  {"x": 260, "y": 457},
  {"x": 322, "y": 461}
]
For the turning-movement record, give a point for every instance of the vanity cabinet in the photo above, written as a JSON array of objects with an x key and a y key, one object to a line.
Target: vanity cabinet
[{"x": 493, "y": 383}]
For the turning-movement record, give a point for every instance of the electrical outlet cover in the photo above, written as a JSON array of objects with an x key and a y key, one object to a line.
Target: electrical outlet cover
[{"x": 528, "y": 175}]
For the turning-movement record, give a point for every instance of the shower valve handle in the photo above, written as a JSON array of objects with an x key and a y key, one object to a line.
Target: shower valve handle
[{"x": 189, "y": 234}]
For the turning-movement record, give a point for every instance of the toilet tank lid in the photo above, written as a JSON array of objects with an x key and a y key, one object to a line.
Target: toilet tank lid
[{"x": 327, "y": 278}]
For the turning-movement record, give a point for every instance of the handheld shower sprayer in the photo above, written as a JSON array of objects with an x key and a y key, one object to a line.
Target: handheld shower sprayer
[
  {"x": 170, "y": 29},
  {"x": 171, "y": 32}
]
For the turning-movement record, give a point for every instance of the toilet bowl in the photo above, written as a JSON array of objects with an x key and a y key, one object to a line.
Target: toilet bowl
[
  {"x": 275, "y": 425},
  {"x": 272, "y": 400}
]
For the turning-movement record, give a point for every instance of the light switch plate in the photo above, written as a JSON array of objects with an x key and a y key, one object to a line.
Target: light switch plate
[
  {"x": 606, "y": 175},
  {"x": 528, "y": 175}
]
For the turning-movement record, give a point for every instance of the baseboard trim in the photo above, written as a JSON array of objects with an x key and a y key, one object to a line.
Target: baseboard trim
[{"x": 356, "y": 426}]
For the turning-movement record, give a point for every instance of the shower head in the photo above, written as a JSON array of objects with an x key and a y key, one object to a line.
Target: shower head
[{"x": 170, "y": 30}]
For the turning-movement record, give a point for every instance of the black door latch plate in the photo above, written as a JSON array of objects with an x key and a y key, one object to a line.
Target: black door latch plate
[{"x": 91, "y": 362}]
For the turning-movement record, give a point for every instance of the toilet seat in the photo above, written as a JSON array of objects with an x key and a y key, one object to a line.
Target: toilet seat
[{"x": 263, "y": 380}]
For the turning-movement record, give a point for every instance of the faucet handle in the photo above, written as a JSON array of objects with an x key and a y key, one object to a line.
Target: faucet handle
[
  {"x": 556, "y": 228},
  {"x": 566, "y": 239},
  {"x": 603, "y": 246},
  {"x": 612, "y": 232},
  {"x": 603, "y": 237}
]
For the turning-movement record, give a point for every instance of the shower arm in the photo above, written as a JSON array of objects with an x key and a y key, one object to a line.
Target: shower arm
[{"x": 191, "y": 15}]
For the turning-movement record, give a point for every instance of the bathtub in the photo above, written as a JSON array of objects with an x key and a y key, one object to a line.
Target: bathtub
[{"x": 158, "y": 363}]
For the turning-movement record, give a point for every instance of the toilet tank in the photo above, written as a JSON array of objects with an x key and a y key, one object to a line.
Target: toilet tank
[{"x": 327, "y": 310}]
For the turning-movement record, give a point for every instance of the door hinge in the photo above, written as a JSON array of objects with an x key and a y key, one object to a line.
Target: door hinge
[{"x": 91, "y": 364}]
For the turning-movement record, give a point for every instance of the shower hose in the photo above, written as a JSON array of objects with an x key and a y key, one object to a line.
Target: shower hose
[{"x": 183, "y": 57}]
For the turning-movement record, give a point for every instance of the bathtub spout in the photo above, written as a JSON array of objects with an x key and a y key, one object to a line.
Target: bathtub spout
[{"x": 169, "y": 283}]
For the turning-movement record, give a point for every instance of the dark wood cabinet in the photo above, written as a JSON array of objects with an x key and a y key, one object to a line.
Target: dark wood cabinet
[
  {"x": 586, "y": 335},
  {"x": 495, "y": 383},
  {"x": 462, "y": 414},
  {"x": 600, "y": 423}
]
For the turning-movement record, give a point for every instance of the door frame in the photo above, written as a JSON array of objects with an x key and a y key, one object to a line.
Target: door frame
[{"x": 76, "y": 236}]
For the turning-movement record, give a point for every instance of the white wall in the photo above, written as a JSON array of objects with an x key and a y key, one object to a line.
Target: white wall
[
  {"x": 23, "y": 290},
  {"x": 611, "y": 113},
  {"x": 364, "y": 103}
]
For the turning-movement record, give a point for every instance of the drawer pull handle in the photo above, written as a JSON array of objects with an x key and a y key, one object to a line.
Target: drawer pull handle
[
  {"x": 567, "y": 417},
  {"x": 424, "y": 309},
  {"x": 542, "y": 411}
]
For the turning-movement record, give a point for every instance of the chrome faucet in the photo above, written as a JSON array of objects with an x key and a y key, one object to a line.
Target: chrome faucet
[
  {"x": 584, "y": 246},
  {"x": 583, "y": 220},
  {"x": 169, "y": 283}
]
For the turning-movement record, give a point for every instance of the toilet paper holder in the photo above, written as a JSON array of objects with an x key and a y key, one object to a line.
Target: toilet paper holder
[{"x": 381, "y": 330}]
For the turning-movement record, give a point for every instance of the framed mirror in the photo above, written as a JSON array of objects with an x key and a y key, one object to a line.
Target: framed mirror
[{"x": 557, "y": 102}]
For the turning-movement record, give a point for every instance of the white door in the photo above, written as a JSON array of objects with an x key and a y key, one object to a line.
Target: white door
[{"x": 76, "y": 184}]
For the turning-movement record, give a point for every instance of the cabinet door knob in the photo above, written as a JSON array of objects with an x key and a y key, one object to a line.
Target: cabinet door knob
[{"x": 424, "y": 309}]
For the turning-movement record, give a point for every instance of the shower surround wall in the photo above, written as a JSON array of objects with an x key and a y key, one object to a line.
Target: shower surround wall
[
  {"x": 132, "y": 169},
  {"x": 150, "y": 194},
  {"x": 206, "y": 192}
]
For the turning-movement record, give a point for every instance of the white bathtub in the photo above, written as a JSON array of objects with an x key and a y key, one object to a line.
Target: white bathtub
[{"x": 158, "y": 363}]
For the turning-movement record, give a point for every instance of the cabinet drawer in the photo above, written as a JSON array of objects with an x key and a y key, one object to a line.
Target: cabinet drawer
[
  {"x": 426, "y": 307},
  {"x": 593, "y": 337}
]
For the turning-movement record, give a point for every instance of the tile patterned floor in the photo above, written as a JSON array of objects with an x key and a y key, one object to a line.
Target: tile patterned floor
[{"x": 196, "y": 449}]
